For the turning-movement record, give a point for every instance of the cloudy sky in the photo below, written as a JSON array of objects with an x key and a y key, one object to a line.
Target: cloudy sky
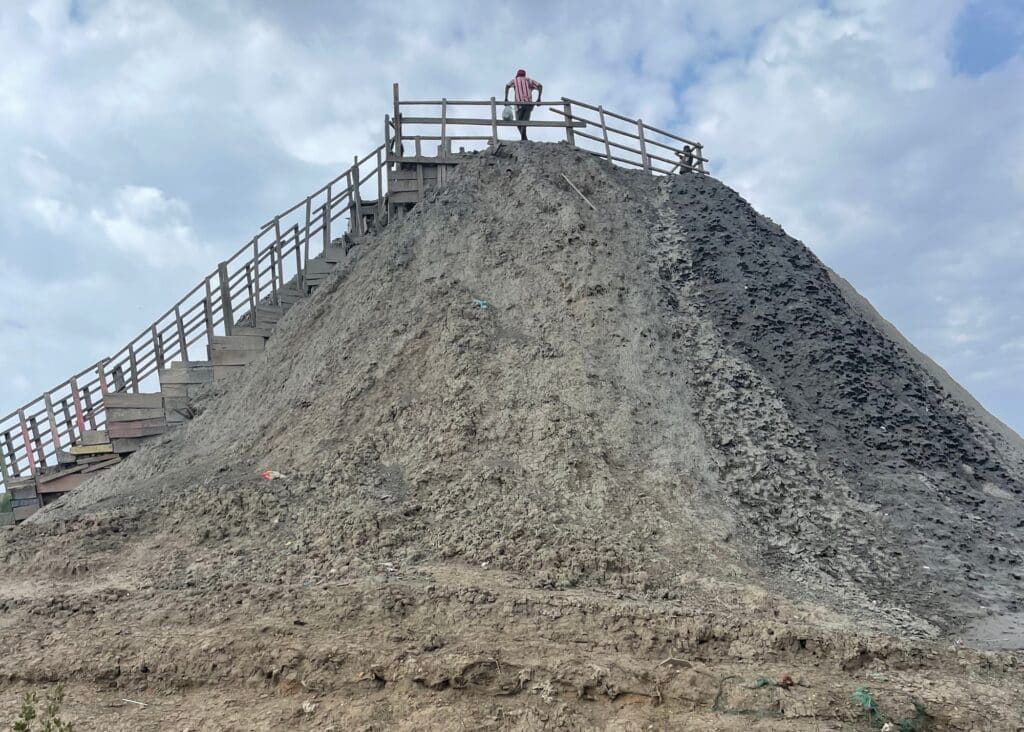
[{"x": 143, "y": 140}]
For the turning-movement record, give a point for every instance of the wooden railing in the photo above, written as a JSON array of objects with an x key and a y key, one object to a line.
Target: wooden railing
[
  {"x": 621, "y": 140},
  {"x": 31, "y": 436}
]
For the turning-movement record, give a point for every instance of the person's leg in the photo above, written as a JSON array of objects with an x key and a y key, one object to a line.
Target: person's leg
[{"x": 523, "y": 113}]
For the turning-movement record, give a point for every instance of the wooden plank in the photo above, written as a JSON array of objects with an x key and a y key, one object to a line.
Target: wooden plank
[
  {"x": 93, "y": 437},
  {"x": 196, "y": 375},
  {"x": 87, "y": 460},
  {"x": 133, "y": 401},
  {"x": 89, "y": 449},
  {"x": 233, "y": 357},
  {"x": 23, "y": 512},
  {"x": 223, "y": 372},
  {"x": 9, "y": 451},
  {"x": 176, "y": 402},
  {"x": 133, "y": 367},
  {"x": 21, "y": 494},
  {"x": 604, "y": 133},
  {"x": 64, "y": 483},
  {"x": 37, "y": 439},
  {"x": 50, "y": 477},
  {"x": 127, "y": 444},
  {"x": 179, "y": 325},
  {"x": 52, "y": 419},
  {"x": 225, "y": 296},
  {"x": 131, "y": 415},
  {"x": 65, "y": 458},
  {"x": 102, "y": 466},
  {"x": 122, "y": 430},
  {"x": 238, "y": 343}
]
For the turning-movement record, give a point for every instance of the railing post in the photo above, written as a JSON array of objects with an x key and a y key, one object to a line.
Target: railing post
[
  {"x": 380, "y": 181},
  {"x": 52, "y": 419},
  {"x": 252, "y": 295},
  {"x": 398, "y": 121},
  {"x": 158, "y": 347},
  {"x": 444, "y": 128},
  {"x": 255, "y": 272},
  {"x": 102, "y": 376},
  {"x": 299, "y": 273},
  {"x": 90, "y": 411},
  {"x": 643, "y": 146},
  {"x": 275, "y": 264},
  {"x": 305, "y": 238},
  {"x": 37, "y": 438},
  {"x": 604, "y": 133},
  {"x": 9, "y": 444},
  {"x": 700, "y": 157},
  {"x": 208, "y": 310},
  {"x": 326, "y": 230},
  {"x": 69, "y": 424},
  {"x": 79, "y": 417},
  {"x": 5, "y": 447},
  {"x": 133, "y": 368},
  {"x": 357, "y": 201},
  {"x": 494, "y": 121},
  {"x": 117, "y": 374},
  {"x": 27, "y": 442},
  {"x": 225, "y": 297},
  {"x": 570, "y": 134},
  {"x": 179, "y": 323}
]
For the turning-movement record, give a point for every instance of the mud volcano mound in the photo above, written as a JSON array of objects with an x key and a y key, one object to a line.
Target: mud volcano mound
[{"x": 525, "y": 439}]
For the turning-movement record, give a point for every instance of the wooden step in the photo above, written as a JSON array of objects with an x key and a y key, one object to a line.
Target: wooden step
[
  {"x": 128, "y": 415},
  {"x": 131, "y": 401},
  {"x": 137, "y": 428},
  {"x": 221, "y": 372},
  {"x": 236, "y": 343},
  {"x": 319, "y": 268},
  {"x": 197, "y": 375},
  {"x": 233, "y": 358},
  {"x": 334, "y": 254},
  {"x": 245, "y": 330}
]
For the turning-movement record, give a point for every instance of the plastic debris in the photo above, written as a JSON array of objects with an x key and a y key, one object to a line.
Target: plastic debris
[
  {"x": 482, "y": 304},
  {"x": 272, "y": 475}
]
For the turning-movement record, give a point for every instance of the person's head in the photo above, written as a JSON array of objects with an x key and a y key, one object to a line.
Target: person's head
[
  {"x": 521, "y": 72},
  {"x": 687, "y": 149}
]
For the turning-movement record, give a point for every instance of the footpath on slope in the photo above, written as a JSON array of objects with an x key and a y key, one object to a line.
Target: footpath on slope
[{"x": 523, "y": 438}]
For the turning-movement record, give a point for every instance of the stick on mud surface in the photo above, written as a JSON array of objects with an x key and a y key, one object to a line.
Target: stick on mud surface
[{"x": 578, "y": 191}]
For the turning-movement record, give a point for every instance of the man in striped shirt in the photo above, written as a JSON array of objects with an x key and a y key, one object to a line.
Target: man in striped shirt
[{"x": 524, "y": 87}]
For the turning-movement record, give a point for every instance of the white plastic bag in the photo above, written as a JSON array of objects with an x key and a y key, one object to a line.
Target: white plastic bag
[{"x": 507, "y": 114}]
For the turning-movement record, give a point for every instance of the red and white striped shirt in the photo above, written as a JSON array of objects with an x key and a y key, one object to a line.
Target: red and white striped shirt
[{"x": 524, "y": 87}]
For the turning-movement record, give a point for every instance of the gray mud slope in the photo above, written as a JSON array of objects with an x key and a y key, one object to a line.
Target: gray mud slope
[{"x": 665, "y": 387}]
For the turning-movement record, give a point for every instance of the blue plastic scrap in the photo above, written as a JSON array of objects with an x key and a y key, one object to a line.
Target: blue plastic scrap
[{"x": 482, "y": 304}]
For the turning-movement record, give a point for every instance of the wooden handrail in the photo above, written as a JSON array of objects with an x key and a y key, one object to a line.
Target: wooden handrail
[{"x": 37, "y": 430}]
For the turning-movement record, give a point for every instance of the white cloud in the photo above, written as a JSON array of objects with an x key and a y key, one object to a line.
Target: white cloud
[{"x": 144, "y": 223}]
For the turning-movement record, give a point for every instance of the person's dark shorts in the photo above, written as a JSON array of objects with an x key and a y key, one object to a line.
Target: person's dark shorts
[{"x": 523, "y": 111}]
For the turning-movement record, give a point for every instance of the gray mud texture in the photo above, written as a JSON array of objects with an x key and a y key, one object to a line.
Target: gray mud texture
[{"x": 673, "y": 454}]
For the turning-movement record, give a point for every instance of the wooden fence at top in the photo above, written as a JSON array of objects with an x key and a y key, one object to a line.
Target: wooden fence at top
[
  {"x": 627, "y": 142},
  {"x": 254, "y": 275},
  {"x": 31, "y": 436}
]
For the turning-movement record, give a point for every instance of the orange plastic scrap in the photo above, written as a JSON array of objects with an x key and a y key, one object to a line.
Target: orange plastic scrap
[{"x": 271, "y": 475}]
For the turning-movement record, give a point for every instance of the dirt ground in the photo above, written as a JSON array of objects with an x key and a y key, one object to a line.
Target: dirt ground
[{"x": 675, "y": 474}]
